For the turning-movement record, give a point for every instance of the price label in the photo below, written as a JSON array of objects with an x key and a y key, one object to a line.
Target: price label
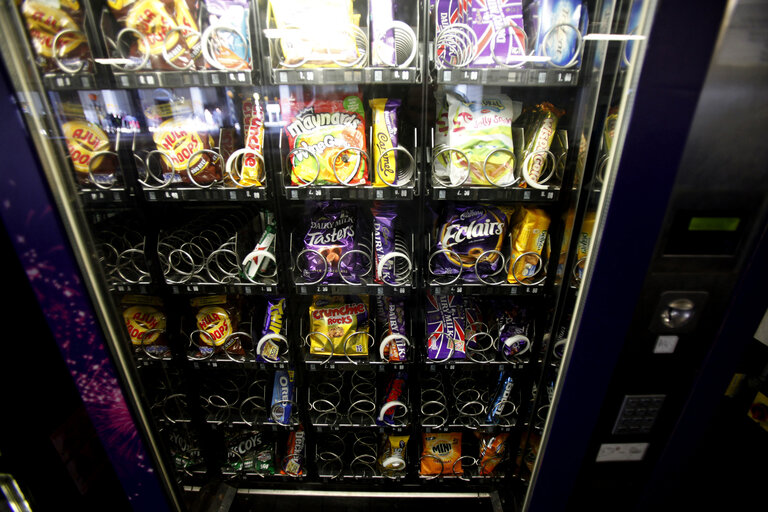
[{"x": 406, "y": 75}]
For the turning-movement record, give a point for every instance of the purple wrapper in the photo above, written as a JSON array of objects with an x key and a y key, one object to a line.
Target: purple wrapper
[
  {"x": 331, "y": 234},
  {"x": 273, "y": 324},
  {"x": 470, "y": 231},
  {"x": 384, "y": 241},
  {"x": 445, "y": 327},
  {"x": 448, "y": 12},
  {"x": 392, "y": 311},
  {"x": 513, "y": 328},
  {"x": 383, "y": 41},
  {"x": 490, "y": 20}
]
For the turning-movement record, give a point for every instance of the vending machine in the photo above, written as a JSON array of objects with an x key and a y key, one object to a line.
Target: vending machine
[{"x": 339, "y": 248}]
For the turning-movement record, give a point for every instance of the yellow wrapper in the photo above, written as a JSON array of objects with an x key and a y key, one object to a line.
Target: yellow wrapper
[
  {"x": 338, "y": 319},
  {"x": 384, "y": 139},
  {"x": 83, "y": 140},
  {"x": 582, "y": 250},
  {"x": 141, "y": 316},
  {"x": 439, "y": 454},
  {"x": 528, "y": 239}
]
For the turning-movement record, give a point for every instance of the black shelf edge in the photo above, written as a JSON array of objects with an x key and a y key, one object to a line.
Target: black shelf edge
[
  {"x": 206, "y": 194},
  {"x": 218, "y": 289},
  {"x": 345, "y": 365},
  {"x": 202, "y": 78},
  {"x": 99, "y": 196},
  {"x": 345, "y": 193},
  {"x": 486, "y": 289},
  {"x": 516, "y": 194},
  {"x": 332, "y": 76},
  {"x": 352, "y": 289},
  {"x": 519, "y": 77},
  {"x": 69, "y": 82},
  {"x": 468, "y": 364},
  {"x": 226, "y": 363}
]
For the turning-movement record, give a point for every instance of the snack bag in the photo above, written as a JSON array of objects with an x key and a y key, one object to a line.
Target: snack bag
[
  {"x": 231, "y": 45},
  {"x": 145, "y": 320},
  {"x": 331, "y": 234},
  {"x": 482, "y": 130},
  {"x": 315, "y": 33},
  {"x": 468, "y": 232},
  {"x": 84, "y": 140},
  {"x": 439, "y": 453},
  {"x": 185, "y": 452},
  {"x": 218, "y": 320},
  {"x": 392, "y": 454},
  {"x": 250, "y": 452},
  {"x": 334, "y": 321},
  {"x": 45, "y": 20},
  {"x": 384, "y": 217},
  {"x": 330, "y": 141},
  {"x": 169, "y": 28}
]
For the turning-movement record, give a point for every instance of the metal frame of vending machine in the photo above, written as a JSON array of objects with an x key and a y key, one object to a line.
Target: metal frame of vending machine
[{"x": 169, "y": 391}]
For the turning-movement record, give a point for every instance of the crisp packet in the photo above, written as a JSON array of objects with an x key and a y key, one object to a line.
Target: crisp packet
[
  {"x": 281, "y": 406},
  {"x": 391, "y": 315},
  {"x": 250, "y": 452},
  {"x": 268, "y": 349},
  {"x": 328, "y": 141},
  {"x": 493, "y": 448},
  {"x": 393, "y": 393},
  {"x": 480, "y": 128},
  {"x": 384, "y": 113},
  {"x": 469, "y": 232},
  {"x": 336, "y": 319},
  {"x": 331, "y": 234},
  {"x": 445, "y": 327},
  {"x": 293, "y": 462},
  {"x": 528, "y": 239},
  {"x": 45, "y": 19},
  {"x": 85, "y": 139},
  {"x": 145, "y": 321},
  {"x": 439, "y": 454},
  {"x": 501, "y": 404},
  {"x": 169, "y": 28},
  {"x": 217, "y": 320},
  {"x": 231, "y": 51},
  {"x": 185, "y": 451},
  {"x": 392, "y": 454}
]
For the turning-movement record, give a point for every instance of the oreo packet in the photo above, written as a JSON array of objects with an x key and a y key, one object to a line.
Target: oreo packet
[
  {"x": 501, "y": 406},
  {"x": 445, "y": 327},
  {"x": 464, "y": 234},
  {"x": 331, "y": 234},
  {"x": 283, "y": 398},
  {"x": 250, "y": 452}
]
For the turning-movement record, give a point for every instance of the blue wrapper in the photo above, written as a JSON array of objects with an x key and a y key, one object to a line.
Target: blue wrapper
[
  {"x": 500, "y": 401},
  {"x": 559, "y": 30},
  {"x": 282, "y": 396}
]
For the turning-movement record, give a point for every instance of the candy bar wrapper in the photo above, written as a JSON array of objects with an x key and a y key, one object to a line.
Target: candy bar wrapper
[
  {"x": 165, "y": 24},
  {"x": 331, "y": 47},
  {"x": 283, "y": 390},
  {"x": 558, "y": 31},
  {"x": 382, "y": 34},
  {"x": 229, "y": 50},
  {"x": 293, "y": 462},
  {"x": 445, "y": 327},
  {"x": 392, "y": 311},
  {"x": 439, "y": 454},
  {"x": 501, "y": 399},
  {"x": 528, "y": 236},
  {"x": 250, "y": 452},
  {"x": 582, "y": 248},
  {"x": 253, "y": 121},
  {"x": 493, "y": 448},
  {"x": 502, "y": 21},
  {"x": 478, "y": 127},
  {"x": 273, "y": 324},
  {"x": 446, "y": 13},
  {"x": 471, "y": 231},
  {"x": 333, "y": 130},
  {"x": 331, "y": 233},
  {"x": 218, "y": 318},
  {"x": 45, "y": 19},
  {"x": 539, "y": 134},
  {"x": 513, "y": 326},
  {"x": 384, "y": 241},
  {"x": 338, "y": 318},
  {"x": 392, "y": 454},
  {"x": 145, "y": 321},
  {"x": 260, "y": 262},
  {"x": 394, "y": 391},
  {"x": 384, "y": 113}
]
